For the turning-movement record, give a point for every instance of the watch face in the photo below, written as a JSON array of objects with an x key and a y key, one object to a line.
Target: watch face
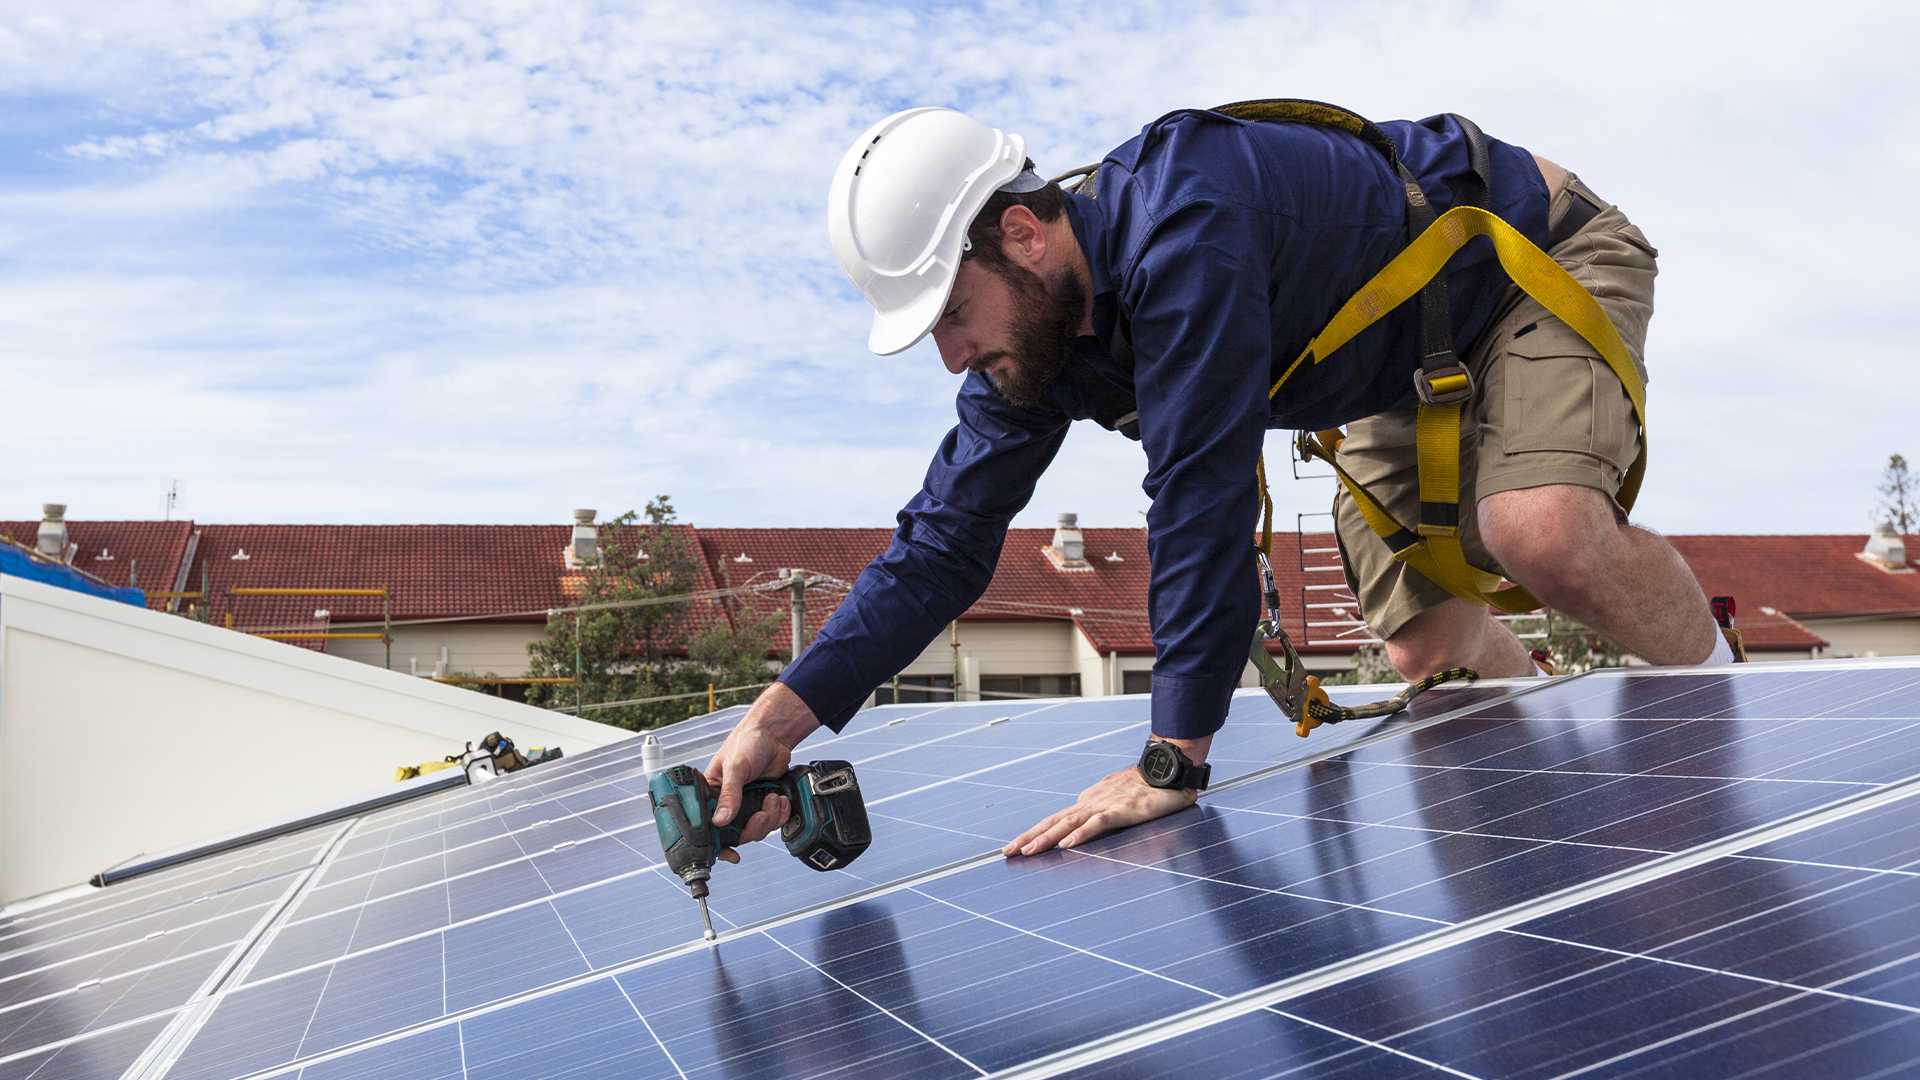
[{"x": 1160, "y": 764}]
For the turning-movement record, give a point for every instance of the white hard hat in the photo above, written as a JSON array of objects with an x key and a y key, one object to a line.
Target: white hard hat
[{"x": 901, "y": 202}]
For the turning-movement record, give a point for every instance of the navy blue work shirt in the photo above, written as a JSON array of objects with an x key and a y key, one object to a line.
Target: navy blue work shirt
[{"x": 1225, "y": 245}]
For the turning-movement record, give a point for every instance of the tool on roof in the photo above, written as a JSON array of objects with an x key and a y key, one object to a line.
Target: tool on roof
[
  {"x": 1723, "y": 611},
  {"x": 495, "y": 755},
  {"x": 827, "y": 828},
  {"x": 1299, "y": 695}
]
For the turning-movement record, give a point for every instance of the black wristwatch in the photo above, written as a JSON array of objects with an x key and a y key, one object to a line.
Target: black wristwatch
[{"x": 1162, "y": 765}]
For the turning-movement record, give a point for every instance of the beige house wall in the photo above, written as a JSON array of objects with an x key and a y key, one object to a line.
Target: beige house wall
[
  {"x": 1014, "y": 647},
  {"x": 1870, "y": 636},
  {"x": 470, "y": 648}
]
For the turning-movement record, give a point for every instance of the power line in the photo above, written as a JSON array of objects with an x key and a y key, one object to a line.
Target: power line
[
  {"x": 761, "y": 587},
  {"x": 664, "y": 697}
]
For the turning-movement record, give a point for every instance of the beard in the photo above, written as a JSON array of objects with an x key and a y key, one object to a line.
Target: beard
[{"x": 1046, "y": 320}]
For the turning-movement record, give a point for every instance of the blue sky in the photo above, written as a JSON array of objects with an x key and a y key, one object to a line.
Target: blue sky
[{"x": 411, "y": 262}]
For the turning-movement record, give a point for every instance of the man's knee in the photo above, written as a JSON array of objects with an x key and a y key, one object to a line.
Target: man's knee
[
  {"x": 1555, "y": 540},
  {"x": 1434, "y": 640}
]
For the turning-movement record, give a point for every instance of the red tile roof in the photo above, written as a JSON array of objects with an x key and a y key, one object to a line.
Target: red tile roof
[
  {"x": 111, "y": 550},
  {"x": 1768, "y": 629},
  {"x": 511, "y": 572},
  {"x": 517, "y": 572},
  {"x": 1816, "y": 576},
  {"x": 1107, "y": 600}
]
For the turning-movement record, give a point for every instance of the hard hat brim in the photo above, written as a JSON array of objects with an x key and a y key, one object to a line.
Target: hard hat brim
[{"x": 900, "y": 329}]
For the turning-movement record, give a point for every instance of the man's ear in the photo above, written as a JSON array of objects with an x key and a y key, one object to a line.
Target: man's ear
[{"x": 1021, "y": 236}]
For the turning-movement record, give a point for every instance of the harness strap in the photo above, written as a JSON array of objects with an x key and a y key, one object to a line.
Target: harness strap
[
  {"x": 1441, "y": 377},
  {"x": 1435, "y": 550},
  {"x": 1443, "y": 385}
]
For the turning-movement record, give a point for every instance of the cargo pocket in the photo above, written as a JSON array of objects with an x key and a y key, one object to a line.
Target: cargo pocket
[{"x": 1560, "y": 396}]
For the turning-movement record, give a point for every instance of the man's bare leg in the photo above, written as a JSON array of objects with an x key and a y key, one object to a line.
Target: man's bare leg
[
  {"x": 1457, "y": 634},
  {"x": 1565, "y": 545}
]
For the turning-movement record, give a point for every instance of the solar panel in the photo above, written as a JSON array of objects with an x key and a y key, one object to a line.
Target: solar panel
[
  {"x": 1664, "y": 871},
  {"x": 76, "y": 977}
]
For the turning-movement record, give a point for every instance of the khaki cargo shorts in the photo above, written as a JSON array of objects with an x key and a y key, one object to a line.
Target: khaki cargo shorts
[{"x": 1546, "y": 410}]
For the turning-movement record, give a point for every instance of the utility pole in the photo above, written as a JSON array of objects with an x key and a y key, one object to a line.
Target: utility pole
[
  {"x": 797, "y": 584},
  {"x": 953, "y": 638}
]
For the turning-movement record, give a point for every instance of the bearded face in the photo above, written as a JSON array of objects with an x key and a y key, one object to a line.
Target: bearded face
[
  {"x": 1013, "y": 326},
  {"x": 1044, "y": 320}
]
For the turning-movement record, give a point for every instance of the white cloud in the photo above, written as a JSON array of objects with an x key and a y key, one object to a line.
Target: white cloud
[{"x": 411, "y": 262}]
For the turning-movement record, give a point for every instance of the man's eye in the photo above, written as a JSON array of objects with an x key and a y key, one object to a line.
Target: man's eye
[{"x": 953, "y": 312}]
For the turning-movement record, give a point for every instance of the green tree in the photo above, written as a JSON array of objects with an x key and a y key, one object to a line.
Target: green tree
[
  {"x": 653, "y": 640},
  {"x": 1899, "y": 496}
]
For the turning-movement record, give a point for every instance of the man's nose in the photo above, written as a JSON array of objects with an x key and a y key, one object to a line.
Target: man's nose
[{"x": 953, "y": 353}]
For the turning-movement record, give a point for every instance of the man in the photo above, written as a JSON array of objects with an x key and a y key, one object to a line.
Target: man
[{"x": 1164, "y": 305}]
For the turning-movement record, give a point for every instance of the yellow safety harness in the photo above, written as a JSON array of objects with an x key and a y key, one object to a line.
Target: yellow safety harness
[{"x": 1443, "y": 385}]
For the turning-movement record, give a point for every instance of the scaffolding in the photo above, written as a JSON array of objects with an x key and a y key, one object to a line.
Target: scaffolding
[{"x": 383, "y": 635}]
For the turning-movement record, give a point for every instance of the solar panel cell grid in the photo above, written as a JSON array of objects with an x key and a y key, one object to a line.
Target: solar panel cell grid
[
  {"x": 161, "y": 891},
  {"x": 525, "y": 929},
  {"x": 602, "y": 925},
  {"x": 105, "y": 1055}
]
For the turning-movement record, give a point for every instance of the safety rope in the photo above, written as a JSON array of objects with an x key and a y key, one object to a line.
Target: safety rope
[{"x": 1300, "y": 696}]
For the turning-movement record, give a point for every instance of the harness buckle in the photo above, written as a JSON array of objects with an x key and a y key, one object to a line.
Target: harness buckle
[{"x": 1448, "y": 385}]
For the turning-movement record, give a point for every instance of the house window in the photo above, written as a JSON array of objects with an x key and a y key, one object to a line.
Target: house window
[
  {"x": 1031, "y": 685},
  {"x": 1136, "y": 682},
  {"x": 942, "y": 690}
]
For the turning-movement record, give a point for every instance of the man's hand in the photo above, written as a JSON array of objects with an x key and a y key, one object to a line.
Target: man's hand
[
  {"x": 760, "y": 746},
  {"x": 1120, "y": 799}
]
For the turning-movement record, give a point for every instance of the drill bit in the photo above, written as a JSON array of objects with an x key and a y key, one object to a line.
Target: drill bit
[{"x": 699, "y": 889}]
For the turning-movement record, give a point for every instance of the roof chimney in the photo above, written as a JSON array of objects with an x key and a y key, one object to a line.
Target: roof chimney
[
  {"x": 1068, "y": 550},
  {"x": 52, "y": 538},
  {"x": 585, "y": 547},
  {"x": 1885, "y": 549}
]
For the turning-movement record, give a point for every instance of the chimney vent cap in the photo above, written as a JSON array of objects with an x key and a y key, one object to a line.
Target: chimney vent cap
[
  {"x": 1068, "y": 551},
  {"x": 50, "y": 539},
  {"x": 584, "y": 546},
  {"x": 1887, "y": 550}
]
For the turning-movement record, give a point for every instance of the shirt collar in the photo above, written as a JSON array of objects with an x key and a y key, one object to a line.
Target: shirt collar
[{"x": 1090, "y": 232}]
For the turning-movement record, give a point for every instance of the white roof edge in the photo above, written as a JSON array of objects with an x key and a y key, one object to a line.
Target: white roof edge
[{"x": 302, "y": 674}]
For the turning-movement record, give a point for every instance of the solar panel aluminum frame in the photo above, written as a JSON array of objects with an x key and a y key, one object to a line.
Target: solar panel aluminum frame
[
  {"x": 418, "y": 787},
  {"x": 160, "y": 1054}
]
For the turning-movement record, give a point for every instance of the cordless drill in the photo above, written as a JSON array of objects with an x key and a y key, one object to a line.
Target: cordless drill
[{"x": 827, "y": 828}]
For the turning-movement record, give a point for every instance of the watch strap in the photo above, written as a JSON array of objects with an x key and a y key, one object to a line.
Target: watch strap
[{"x": 1186, "y": 774}]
